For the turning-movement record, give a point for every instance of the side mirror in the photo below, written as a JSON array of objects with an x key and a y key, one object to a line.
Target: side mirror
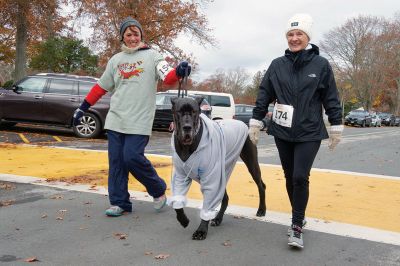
[{"x": 16, "y": 89}]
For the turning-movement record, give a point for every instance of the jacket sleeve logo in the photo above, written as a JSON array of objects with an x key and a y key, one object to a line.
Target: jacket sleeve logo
[{"x": 129, "y": 70}]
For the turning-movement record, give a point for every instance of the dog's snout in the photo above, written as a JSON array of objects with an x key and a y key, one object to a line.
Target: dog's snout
[{"x": 187, "y": 128}]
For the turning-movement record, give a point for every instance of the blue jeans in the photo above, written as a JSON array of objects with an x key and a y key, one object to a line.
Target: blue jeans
[{"x": 126, "y": 155}]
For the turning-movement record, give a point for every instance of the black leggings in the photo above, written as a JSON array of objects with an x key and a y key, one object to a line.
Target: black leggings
[{"x": 297, "y": 159}]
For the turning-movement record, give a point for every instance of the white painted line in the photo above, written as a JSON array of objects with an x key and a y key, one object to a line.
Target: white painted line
[{"x": 314, "y": 224}]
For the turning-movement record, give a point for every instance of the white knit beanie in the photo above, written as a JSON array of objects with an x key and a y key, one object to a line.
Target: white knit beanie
[{"x": 301, "y": 22}]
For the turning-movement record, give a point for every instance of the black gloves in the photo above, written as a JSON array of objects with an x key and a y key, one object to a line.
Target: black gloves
[
  {"x": 183, "y": 69},
  {"x": 80, "y": 111}
]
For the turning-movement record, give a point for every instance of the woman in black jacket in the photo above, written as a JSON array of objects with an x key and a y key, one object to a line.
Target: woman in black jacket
[{"x": 300, "y": 83}]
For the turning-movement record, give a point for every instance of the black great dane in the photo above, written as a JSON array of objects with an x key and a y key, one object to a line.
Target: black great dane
[{"x": 206, "y": 151}]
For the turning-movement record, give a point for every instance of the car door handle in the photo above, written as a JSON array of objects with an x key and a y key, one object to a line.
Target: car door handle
[
  {"x": 72, "y": 99},
  {"x": 38, "y": 97}
]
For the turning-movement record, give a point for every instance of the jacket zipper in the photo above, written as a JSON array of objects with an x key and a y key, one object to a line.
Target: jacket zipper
[{"x": 294, "y": 100}]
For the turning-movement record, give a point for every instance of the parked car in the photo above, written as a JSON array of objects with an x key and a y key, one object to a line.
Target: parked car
[
  {"x": 387, "y": 119},
  {"x": 358, "y": 117},
  {"x": 376, "y": 121},
  {"x": 397, "y": 121},
  {"x": 244, "y": 112},
  {"x": 163, "y": 115},
  {"x": 223, "y": 105},
  {"x": 51, "y": 99}
]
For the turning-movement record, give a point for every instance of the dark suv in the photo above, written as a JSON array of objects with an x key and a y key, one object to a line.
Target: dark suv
[
  {"x": 358, "y": 117},
  {"x": 52, "y": 99},
  {"x": 387, "y": 119}
]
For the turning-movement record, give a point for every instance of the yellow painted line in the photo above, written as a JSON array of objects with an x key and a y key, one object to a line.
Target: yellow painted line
[
  {"x": 57, "y": 138},
  {"x": 23, "y": 138},
  {"x": 341, "y": 197}
]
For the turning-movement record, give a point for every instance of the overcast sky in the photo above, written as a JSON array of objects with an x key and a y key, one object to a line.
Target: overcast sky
[{"x": 251, "y": 33}]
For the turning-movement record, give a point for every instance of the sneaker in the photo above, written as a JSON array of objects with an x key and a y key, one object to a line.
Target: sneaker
[
  {"x": 160, "y": 202},
  {"x": 114, "y": 211},
  {"x": 290, "y": 227},
  {"x": 296, "y": 237}
]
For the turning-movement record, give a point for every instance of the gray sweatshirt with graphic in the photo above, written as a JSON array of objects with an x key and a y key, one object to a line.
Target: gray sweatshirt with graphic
[{"x": 210, "y": 165}]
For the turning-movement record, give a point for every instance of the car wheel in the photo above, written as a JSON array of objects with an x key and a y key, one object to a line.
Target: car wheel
[
  {"x": 90, "y": 126},
  {"x": 7, "y": 124}
]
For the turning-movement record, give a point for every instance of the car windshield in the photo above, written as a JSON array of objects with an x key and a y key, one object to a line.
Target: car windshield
[
  {"x": 356, "y": 113},
  {"x": 162, "y": 99}
]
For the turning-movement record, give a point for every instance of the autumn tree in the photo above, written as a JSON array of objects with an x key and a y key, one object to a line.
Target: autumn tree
[
  {"x": 213, "y": 83},
  {"x": 388, "y": 50},
  {"x": 162, "y": 22},
  {"x": 251, "y": 90},
  {"x": 350, "y": 50},
  {"x": 23, "y": 23},
  {"x": 236, "y": 80}
]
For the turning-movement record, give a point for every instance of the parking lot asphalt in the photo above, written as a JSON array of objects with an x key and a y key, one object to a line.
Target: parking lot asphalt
[
  {"x": 67, "y": 227},
  {"x": 335, "y": 195},
  {"x": 352, "y": 217}
]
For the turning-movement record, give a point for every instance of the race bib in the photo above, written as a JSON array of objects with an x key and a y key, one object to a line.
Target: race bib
[
  {"x": 283, "y": 114},
  {"x": 163, "y": 69}
]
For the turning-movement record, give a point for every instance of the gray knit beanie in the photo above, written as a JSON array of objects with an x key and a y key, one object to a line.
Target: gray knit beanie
[{"x": 129, "y": 21}]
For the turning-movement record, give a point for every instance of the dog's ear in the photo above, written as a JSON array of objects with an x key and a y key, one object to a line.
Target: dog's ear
[{"x": 199, "y": 99}]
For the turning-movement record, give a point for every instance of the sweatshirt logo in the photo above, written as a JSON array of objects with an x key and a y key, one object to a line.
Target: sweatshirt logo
[
  {"x": 129, "y": 70},
  {"x": 312, "y": 75}
]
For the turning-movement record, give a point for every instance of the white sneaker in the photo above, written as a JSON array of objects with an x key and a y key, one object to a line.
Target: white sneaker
[
  {"x": 114, "y": 211},
  {"x": 296, "y": 237},
  {"x": 289, "y": 231},
  {"x": 160, "y": 202}
]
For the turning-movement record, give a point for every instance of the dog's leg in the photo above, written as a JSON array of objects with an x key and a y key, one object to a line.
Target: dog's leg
[
  {"x": 181, "y": 217},
  {"x": 218, "y": 219},
  {"x": 201, "y": 232},
  {"x": 250, "y": 158}
]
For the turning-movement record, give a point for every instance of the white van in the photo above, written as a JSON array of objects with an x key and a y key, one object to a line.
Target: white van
[{"x": 223, "y": 105}]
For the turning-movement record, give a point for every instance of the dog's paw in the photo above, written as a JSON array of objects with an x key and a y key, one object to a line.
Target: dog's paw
[
  {"x": 216, "y": 221},
  {"x": 199, "y": 235},
  {"x": 260, "y": 212}
]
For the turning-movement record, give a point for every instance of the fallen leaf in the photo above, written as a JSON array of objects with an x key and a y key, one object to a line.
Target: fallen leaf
[
  {"x": 6, "y": 203},
  {"x": 7, "y": 186},
  {"x": 120, "y": 236},
  {"x": 227, "y": 244},
  {"x": 31, "y": 259},
  {"x": 161, "y": 256}
]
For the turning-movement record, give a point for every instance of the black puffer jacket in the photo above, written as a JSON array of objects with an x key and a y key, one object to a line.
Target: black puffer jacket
[{"x": 304, "y": 80}]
